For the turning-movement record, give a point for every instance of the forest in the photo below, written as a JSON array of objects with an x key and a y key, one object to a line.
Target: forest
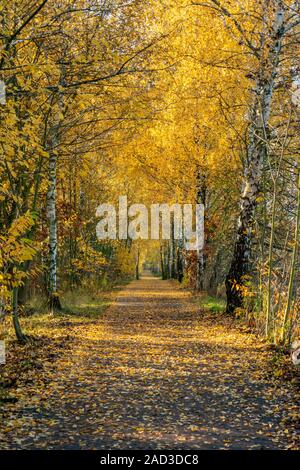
[{"x": 164, "y": 102}]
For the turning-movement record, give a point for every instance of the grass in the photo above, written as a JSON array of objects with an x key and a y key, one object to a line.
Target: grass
[
  {"x": 78, "y": 305},
  {"x": 214, "y": 304},
  {"x": 86, "y": 305},
  {"x": 50, "y": 336},
  {"x": 80, "y": 302}
]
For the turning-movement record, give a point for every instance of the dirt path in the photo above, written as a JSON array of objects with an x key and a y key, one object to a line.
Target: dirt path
[{"x": 154, "y": 373}]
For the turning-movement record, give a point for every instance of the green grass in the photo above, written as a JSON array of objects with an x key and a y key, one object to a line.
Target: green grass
[
  {"x": 214, "y": 304},
  {"x": 80, "y": 302},
  {"x": 84, "y": 304},
  {"x": 76, "y": 303}
]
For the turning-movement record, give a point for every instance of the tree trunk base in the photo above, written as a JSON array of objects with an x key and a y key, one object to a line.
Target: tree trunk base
[
  {"x": 54, "y": 303},
  {"x": 234, "y": 297}
]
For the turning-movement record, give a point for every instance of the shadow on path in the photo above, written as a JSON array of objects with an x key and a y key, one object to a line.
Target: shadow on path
[{"x": 155, "y": 373}]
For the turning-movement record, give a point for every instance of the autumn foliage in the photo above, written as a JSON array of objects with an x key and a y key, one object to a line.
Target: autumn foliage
[{"x": 160, "y": 101}]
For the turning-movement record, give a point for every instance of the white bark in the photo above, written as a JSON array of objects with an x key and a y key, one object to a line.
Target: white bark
[
  {"x": 257, "y": 151},
  {"x": 201, "y": 199},
  {"x": 52, "y": 221},
  {"x": 51, "y": 204}
]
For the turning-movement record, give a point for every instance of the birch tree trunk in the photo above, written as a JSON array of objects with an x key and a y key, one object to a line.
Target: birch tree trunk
[
  {"x": 53, "y": 298},
  {"x": 179, "y": 260},
  {"x": 201, "y": 199},
  {"x": 162, "y": 266},
  {"x": 172, "y": 250},
  {"x": 167, "y": 259},
  {"x": 240, "y": 268},
  {"x": 137, "y": 264}
]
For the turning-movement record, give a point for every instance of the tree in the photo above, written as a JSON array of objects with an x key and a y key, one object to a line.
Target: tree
[{"x": 273, "y": 21}]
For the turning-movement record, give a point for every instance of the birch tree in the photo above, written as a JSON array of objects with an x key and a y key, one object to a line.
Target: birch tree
[
  {"x": 268, "y": 53},
  {"x": 266, "y": 48}
]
